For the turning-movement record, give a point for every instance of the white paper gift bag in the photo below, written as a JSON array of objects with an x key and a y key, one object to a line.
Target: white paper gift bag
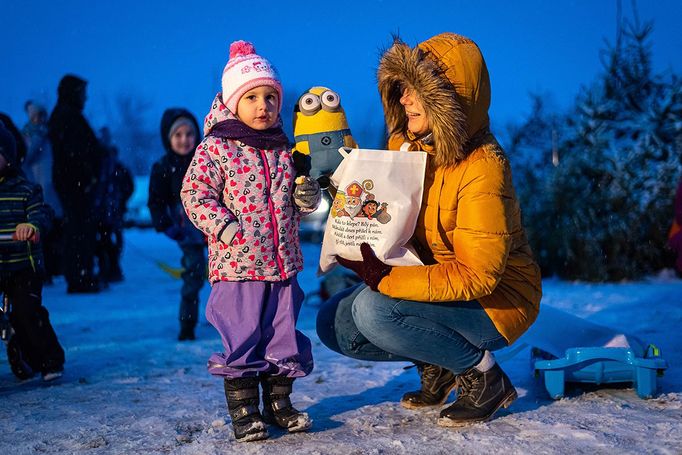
[{"x": 379, "y": 195}]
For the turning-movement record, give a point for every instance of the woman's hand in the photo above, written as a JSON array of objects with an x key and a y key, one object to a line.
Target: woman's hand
[{"x": 371, "y": 269}]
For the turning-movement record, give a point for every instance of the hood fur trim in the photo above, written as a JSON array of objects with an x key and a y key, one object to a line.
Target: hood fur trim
[{"x": 401, "y": 65}]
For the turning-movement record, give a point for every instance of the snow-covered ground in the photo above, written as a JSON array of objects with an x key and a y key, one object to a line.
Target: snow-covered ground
[{"x": 131, "y": 388}]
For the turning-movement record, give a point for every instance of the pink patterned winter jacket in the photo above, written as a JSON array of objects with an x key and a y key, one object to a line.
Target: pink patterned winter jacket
[{"x": 231, "y": 181}]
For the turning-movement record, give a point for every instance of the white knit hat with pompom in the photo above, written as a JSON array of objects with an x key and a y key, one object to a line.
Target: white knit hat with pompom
[{"x": 244, "y": 71}]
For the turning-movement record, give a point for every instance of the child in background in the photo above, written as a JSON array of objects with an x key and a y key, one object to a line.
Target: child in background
[
  {"x": 34, "y": 346},
  {"x": 179, "y": 134},
  {"x": 240, "y": 191}
]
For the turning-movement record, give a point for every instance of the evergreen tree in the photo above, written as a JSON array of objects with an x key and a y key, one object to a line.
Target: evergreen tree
[
  {"x": 533, "y": 148},
  {"x": 608, "y": 203}
]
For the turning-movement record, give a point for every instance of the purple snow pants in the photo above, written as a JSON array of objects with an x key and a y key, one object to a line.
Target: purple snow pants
[{"x": 257, "y": 322}]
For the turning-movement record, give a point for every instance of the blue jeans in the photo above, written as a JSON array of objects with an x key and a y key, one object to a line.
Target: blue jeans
[{"x": 367, "y": 325}]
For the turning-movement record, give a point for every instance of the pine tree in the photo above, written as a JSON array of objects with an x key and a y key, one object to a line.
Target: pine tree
[{"x": 608, "y": 203}]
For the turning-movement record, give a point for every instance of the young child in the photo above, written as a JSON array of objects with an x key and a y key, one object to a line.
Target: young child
[
  {"x": 34, "y": 346},
  {"x": 240, "y": 191},
  {"x": 179, "y": 134}
]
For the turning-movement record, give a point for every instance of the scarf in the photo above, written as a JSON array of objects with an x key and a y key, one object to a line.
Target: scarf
[{"x": 261, "y": 139}]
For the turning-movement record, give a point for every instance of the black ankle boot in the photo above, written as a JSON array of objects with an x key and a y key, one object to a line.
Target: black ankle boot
[
  {"x": 479, "y": 396},
  {"x": 437, "y": 383},
  {"x": 242, "y": 403},
  {"x": 277, "y": 408}
]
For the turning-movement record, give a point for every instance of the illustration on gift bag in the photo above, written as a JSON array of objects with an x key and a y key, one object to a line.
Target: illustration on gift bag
[
  {"x": 377, "y": 200},
  {"x": 357, "y": 201}
]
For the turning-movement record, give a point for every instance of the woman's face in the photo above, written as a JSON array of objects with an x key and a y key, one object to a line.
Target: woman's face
[{"x": 417, "y": 121}]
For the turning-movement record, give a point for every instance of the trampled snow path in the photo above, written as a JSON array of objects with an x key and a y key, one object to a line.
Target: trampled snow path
[{"x": 130, "y": 387}]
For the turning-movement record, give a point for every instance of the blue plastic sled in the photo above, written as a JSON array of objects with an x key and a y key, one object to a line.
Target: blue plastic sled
[
  {"x": 569, "y": 349},
  {"x": 600, "y": 366}
]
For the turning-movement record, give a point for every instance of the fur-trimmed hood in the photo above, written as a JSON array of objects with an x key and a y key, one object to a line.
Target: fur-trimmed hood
[{"x": 450, "y": 76}]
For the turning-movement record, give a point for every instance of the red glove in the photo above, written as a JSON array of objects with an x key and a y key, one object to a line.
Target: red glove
[{"x": 370, "y": 269}]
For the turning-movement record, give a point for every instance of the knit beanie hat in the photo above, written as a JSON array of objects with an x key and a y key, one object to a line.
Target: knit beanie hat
[{"x": 244, "y": 71}]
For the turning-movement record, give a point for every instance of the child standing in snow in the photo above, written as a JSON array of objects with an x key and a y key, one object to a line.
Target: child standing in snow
[
  {"x": 34, "y": 346},
  {"x": 179, "y": 134},
  {"x": 240, "y": 191}
]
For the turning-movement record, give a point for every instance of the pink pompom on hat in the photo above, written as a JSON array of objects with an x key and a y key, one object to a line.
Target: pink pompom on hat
[{"x": 244, "y": 71}]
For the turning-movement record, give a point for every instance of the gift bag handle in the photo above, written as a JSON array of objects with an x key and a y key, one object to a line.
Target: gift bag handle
[{"x": 345, "y": 151}]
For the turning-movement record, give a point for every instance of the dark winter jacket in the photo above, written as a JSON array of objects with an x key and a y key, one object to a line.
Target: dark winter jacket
[
  {"x": 165, "y": 182},
  {"x": 76, "y": 150},
  {"x": 22, "y": 202},
  {"x": 116, "y": 188},
  {"x": 18, "y": 138}
]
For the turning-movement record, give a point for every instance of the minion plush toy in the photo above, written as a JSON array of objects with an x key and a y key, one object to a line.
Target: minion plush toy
[{"x": 320, "y": 128}]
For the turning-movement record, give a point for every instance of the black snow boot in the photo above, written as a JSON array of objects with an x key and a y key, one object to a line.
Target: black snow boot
[
  {"x": 242, "y": 403},
  {"x": 437, "y": 383},
  {"x": 277, "y": 408},
  {"x": 479, "y": 396},
  {"x": 17, "y": 360}
]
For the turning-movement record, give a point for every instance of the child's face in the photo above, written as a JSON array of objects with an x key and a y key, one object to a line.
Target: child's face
[
  {"x": 183, "y": 140},
  {"x": 370, "y": 209},
  {"x": 258, "y": 107}
]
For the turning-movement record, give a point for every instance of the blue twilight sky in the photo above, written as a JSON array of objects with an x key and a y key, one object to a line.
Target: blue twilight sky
[{"x": 169, "y": 53}]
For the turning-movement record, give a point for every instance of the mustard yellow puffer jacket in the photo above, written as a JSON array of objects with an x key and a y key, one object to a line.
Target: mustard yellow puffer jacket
[{"x": 469, "y": 233}]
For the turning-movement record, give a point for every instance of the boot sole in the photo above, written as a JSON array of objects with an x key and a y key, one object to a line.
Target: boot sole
[
  {"x": 255, "y": 432},
  {"x": 297, "y": 429},
  {"x": 508, "y": 400},
  {"x": 305, "y": 426},
  {"x": 410, "y": 405},
  {"x": 254, "y": 437}
]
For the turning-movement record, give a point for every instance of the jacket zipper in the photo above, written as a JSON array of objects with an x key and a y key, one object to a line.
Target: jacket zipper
[{"x": 271, "y": 209}]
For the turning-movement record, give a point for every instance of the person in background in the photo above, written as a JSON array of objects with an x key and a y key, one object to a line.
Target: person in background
[
  {"x": 34, "y": 346},
  {"x": 38, "y": 162},
  {"x": 180, "y": 135},
  {"x": 21, "y": 149},
  {"x": 38, "y": 168},
  {"x": 480, "y": 287},
  {"x": 76, "y": 171},
  {"x": 242, "y": 191},
  {"x": 675, "y": 235},
  {"x": 116, "y": 187}
]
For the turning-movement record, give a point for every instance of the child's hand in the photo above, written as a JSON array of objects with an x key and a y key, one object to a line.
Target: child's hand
[
  {"x": 307, "y": 193},
  {"x": 25, "y": 231},
  {"x": 229, "y": 232}
]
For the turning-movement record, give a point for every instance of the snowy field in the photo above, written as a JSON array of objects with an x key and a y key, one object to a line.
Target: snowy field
[{"x": 131, "y": 388}]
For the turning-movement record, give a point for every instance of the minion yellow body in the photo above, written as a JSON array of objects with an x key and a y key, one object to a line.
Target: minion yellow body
[{"x": 320, "y": 128}]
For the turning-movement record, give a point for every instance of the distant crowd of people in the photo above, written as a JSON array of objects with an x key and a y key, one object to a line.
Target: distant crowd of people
[
  {"x": 84, "y": 184},
  {"x": 64, "y": 194}
]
